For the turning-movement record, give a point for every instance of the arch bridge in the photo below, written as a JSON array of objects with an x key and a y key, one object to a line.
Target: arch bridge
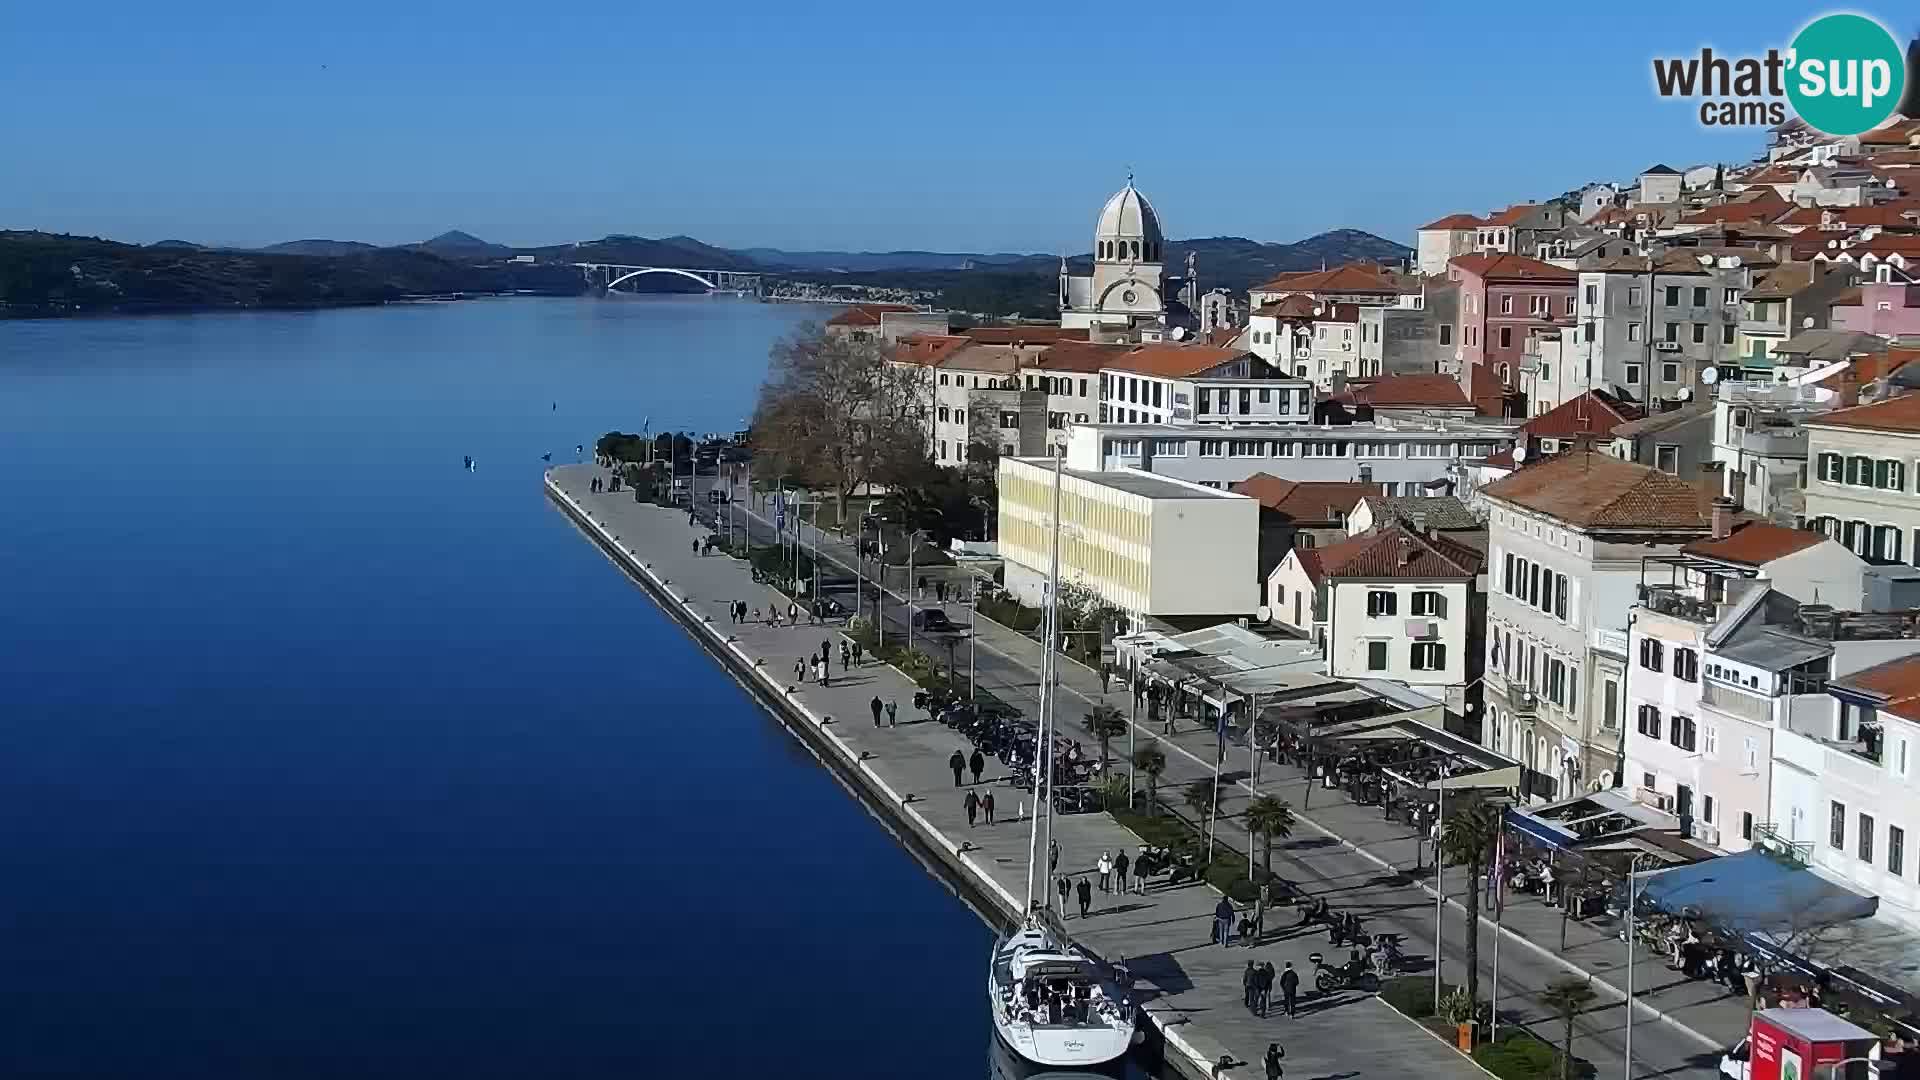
[{"x": 609, "y": 275}]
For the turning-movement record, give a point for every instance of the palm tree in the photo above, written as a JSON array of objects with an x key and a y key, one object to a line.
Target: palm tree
[
  {"x": 1467, "y": 837},
  {"x": 1272, "y": 818},
  {"x": 1569, "y": 997},
  {"x": 1151, "y": 761},
  {"x": 1106, "y": 724}
]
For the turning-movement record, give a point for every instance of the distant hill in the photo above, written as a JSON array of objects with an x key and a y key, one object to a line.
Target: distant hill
[
  {"x": 853, "y": 262},
  {"x": 464, "y": 245},
  {"x": 323, "y": 248},
  {"x": 680, "y": 251},
  {"x": 181, "y": 245}
]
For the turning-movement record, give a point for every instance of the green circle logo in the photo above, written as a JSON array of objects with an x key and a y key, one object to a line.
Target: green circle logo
[{"x": 1846, "y": 74}]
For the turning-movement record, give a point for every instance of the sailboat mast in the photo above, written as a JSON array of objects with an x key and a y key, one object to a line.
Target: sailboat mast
[
  {"x": 1049, "y": 698},
  {"x": 1037, "y": 848}
]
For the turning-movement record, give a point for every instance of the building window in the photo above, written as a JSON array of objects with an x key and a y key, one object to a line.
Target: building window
[
  {"x": 1633, "y": 372},
  {"x": 1710, "y": 740},
  {"x": 1706, "y": 809},
  {"x": 1837, "y": 826},
  {"x": 1726, "y": 334},
  {"x": 1429, "y": 656},
  {"x": 1506, "y": 337},
  {"x": 1212, "y": 447},
  {"x": 1381, "y": 602},
  {"x": 1746, "y": 826},
  {"x": 1866, "y": 837},
  {"x": 1896, "y": 849},
  {"x": 1648, "y": 723},
  {"x": 1831, "y": 468},
  {"x": 1686, "y": 665},
  {"x": 1666, "y": 458},
  {"x": 1652, "y": 654},
  {"x": 1506, "y": 305},
  {"x": 1889, "y": 475},
  {"x": 1673, "y": 331},
  {"x": 1446, "y": 334},
  {"x": 1680, "y": 732},
  {"x": 1673, "y": 296},
  {"x": 1670, "y": 373},
  {"x": 1860, "y": 470},
  {"x": 1699, "y": 333},
  {"x": 1376, "y": 656},
  {"x": 1429, "y": 603}
]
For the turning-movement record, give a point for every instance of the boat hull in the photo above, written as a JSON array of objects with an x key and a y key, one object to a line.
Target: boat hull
[{"x": 1075, "y": 1046}]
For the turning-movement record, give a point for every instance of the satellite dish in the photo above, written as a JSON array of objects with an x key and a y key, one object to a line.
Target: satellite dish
[
  {"x": 1710, "y": 376},
  {"x": 1520, "y": 452},
  {"x": 1265, "y": 613},
  {"x": 1686, "y": 393},
  {"x": 1807, "y": 323},
  {"x": 1705, "y": 260}
]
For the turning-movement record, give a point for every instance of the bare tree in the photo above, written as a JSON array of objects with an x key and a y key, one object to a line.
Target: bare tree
[{"x": 835, "y": 413}]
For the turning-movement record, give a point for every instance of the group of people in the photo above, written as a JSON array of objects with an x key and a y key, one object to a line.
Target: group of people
[
  {"x": 737, "y": 612},
  {"x": 890, "y": 708},
  {"x": 941, "y": 589},
  {"x": 960, "y": 763},
  {"x": 598, "y": 485},
  {"x": 820, "y": 665},
  {"x": 1258, "y": 982}
]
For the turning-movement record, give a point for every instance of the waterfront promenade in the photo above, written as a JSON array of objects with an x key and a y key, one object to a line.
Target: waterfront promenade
[
  {"x": 1191, "y": 989},
  {"x": 1355, "y": 859}
]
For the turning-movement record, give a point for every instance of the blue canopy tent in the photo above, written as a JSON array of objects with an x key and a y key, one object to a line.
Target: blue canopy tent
[{"x": 1755, "y": 892}]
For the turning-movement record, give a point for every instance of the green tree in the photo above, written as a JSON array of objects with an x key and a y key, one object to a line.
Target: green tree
[
  {"x": 1271, "y": 819},
  {"x": 1466, "y": 839},
  {"x": 1569, "y": 997},
  {"x": 1151, "y": 761},
  {"x": 1199, "y": 796},
  {"x": 1106, "y": 724}
]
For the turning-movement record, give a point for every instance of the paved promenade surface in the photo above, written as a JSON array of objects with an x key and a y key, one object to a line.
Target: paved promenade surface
[
  {"x": 1356, "y": 859},
  {"x": 1192, "y": 988}
]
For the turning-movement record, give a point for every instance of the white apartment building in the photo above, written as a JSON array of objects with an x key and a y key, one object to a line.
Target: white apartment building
[
  {"x": 1843, "y": 790},
  {"x": 1147, "y": 545},
  {"x": 1404, "y": 456},
  {"x": 1175, "y": 384},
  {"x": 1864, "y": 484},
  {"x": 1403, "y": 606},
  {"x": 1760, "y": 441},
  {"x": 1566, "y": 539}
]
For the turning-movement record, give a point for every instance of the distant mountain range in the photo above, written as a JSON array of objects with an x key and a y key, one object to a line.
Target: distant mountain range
[{"x": 43, "y": 274}]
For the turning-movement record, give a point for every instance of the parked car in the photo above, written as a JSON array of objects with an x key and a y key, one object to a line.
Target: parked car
[{"x": 933, "y": 621}]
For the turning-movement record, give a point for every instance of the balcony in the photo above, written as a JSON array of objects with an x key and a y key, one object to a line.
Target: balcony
[
  {"x": 1734, "y": 702},
  {"x": 1781, "y": 442},
  {"x": 1669, "y": 600}
]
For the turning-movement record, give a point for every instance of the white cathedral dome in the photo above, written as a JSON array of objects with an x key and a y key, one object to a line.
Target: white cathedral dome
[{"x": 1129, "y": 216}]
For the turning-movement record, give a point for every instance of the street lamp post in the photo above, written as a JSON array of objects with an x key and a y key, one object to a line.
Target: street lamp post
[
  {"x": 1439, "y": 876},
  {"x": 973, "y": 639}
]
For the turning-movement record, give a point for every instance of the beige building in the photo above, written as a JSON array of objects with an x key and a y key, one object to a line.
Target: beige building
[
  {"x": 1863, "y": 484},
  {"x": 1147, "y": 545}
]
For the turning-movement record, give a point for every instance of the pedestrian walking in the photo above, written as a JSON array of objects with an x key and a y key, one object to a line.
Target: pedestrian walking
[
  {"x": 977, "y": 764},
  {"x": 1106, "y": 676},
  {"x": 876, "y": 707},
  {"x": 800, "y": 670},
  {"x": 1085, "y": 893},
  {"x": 826, "y": 676},
  {"x": 893, "y": 714},
  {"x": 1223, "y": 922},
  {"x": 845, "y": 654},
  {"x": 1258, "y": 920},
  {"x": 856, "y": 654},
  {"x": 972, "y": 803},
  {"x": 1272, "y": 1061},
  {"x": 921, "y": 592},
  {"x": 1263, "y": 997},
  {"x": 1105, "y": 866},
  {"x": 793, "y": 614},
  {"x": 1053, "y": 850},
  {"x": 1140, "y": 876},
  {"x": 1062, "y": 886},
  {"x": 1249, "y": 985},
  {"x": 1120, "y": 871},
  {"x": 958, "y": 763},
  {"x": 986, "y": 807},
  {"x": 1289, "y": 988},
  {"x": 826, "y": 650}
]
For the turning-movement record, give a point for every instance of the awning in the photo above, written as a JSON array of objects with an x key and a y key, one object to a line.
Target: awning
[
  {"x": 1538, "y": 831},
  {"x": 1756, "y": 891}
]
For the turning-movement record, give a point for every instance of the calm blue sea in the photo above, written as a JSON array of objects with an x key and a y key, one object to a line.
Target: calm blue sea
[{"x": 322, "y": 757}]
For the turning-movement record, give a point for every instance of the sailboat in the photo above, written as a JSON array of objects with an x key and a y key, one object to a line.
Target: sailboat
[{"x": 1051, "y": 1003}]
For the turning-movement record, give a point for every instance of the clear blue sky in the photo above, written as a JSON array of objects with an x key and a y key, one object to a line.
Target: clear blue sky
[{"x": 988, "y": 126}]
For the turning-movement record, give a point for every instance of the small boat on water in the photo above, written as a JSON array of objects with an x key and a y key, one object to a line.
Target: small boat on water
[{"x": 1051, "y": 1005}]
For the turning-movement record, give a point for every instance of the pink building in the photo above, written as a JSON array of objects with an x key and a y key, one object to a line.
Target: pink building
[
  {"x": 1890, "y": 310},
  {"x": 1504, "y": 300}
]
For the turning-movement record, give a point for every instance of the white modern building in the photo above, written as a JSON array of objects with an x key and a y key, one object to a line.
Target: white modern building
[
  {"x": 1150, "y": 546},
  {"x": 1404, "y": 455},
  {"x": 1199, "y": 384}
]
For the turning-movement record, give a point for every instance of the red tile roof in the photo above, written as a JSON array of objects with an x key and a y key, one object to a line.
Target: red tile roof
[
  {"x": 1399, "y": 552},
  {"x": 1901, "y": 414},
  {"x": 1754, "y": 543},
  {"x": 1597, "y": 490},
  {"x": 1174, "y": 361},
  {"x": 866, "y": 314},
  {"x": 1853, "y": 217},
  {"x": 1410, "y": 391},
  {"x": 1897, "y": 681},
  {"x": 927, "y": 350},
  {"x": 1352, "y": 278},
  {"x": 1592, "y": 413},
  {"x": 1078, "y": 356},
  {"x": 1895, "y": 134},
  {"x": 1309, "y": 559},
  {"x": 1454, "y": 223},
  {"x": 1292, "y": 307},
  {"x": 1508, "y": 267},
  {"x": 1303, "y": 501},
  {"x": 1512, "y": 213}
]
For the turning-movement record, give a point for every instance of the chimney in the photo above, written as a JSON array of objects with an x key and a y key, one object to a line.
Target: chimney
[
  {"x": 1419, "y": 520},
  {"x": 1722, "y": 518},
  {"x": 1849, "y": 393},
  {"x": 1409, "y": 551}
]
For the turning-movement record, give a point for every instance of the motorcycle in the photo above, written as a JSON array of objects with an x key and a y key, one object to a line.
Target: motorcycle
[{"x": 1355, "y": 975}]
